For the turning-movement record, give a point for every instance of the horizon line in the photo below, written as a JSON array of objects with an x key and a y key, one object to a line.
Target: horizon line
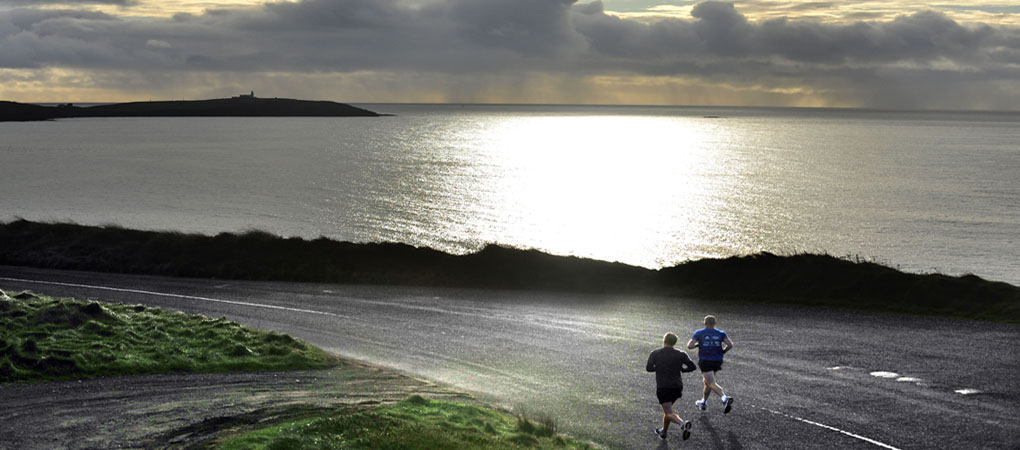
[{"x": 600, "y": 105}]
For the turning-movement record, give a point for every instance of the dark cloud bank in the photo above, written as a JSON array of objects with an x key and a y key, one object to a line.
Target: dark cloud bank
[{"x": 920, "y": 60}]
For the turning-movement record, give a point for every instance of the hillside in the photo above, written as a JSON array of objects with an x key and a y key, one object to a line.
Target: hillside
[
  {"x": 22, "y": 112},
  {"x": 224, "y": 107},
  {"x": 817, "y": 280}
]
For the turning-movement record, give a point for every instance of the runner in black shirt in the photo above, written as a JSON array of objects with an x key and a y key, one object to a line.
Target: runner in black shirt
[{"x": 668, "y": 363}]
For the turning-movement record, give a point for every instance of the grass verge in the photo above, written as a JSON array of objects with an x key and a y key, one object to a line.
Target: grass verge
[
  {"x": 415, "y": 423},
  {"x": 824, "y": 280},
  {"x": 802, "y": 279},
  {"x": 44, "y": 338}
]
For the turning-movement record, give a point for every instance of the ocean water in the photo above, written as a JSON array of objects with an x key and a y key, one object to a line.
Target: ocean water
[{"x": 649, "y": 186}]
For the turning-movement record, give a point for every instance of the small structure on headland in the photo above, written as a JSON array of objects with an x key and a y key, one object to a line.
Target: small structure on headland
[{"x": 245, "y": 105}]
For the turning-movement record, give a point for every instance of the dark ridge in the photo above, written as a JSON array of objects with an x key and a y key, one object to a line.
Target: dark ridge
[
  {"x": 796, "y": 279},
  {"x": 257, "y": 255},
  {"x": 827, "y": 280},
  {"x": 13, "y": 112},
  {"x": 245, "y": 106},
  {"x": 227, "y": 107}
]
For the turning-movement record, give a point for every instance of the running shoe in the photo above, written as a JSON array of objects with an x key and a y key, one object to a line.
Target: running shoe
[
  {"x": 662, "y": 433},
  {"x": 687, "y": 430},
  {"x": 700, "y": 404},
  {"x": 729, "y": 405}
]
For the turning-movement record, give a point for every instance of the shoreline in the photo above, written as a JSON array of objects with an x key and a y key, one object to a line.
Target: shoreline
[{"x": 802, "y": 279}]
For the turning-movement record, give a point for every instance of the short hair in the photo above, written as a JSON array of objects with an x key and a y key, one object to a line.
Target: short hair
[
  {"x": 669, "y": 339},
  {"x": 710, "y": 320}
]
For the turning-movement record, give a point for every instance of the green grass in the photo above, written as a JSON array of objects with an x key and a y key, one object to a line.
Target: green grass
[
  {"x": 415, "y": 423},
  {"x": 43, "y": 338}
]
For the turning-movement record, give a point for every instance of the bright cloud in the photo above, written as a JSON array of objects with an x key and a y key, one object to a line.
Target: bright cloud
[
  {"x": 556, "y": 51},
  {"x": 964, "y": 11}
]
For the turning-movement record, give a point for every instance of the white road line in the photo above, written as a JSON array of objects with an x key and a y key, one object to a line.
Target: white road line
[
  {"x": 259, "y": 305},
  {"x": 827, "y": 427},
  {"x": 190, "y": 297}
]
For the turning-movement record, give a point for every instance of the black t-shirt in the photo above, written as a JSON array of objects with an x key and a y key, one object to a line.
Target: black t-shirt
[{"x": 668, "y": 363}]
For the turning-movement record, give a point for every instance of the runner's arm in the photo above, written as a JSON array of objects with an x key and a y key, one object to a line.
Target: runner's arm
[
  {"x": 728, "y": 346},
  {"x": 692, "y": 344},
  {"x": 650, "y": 365},
  {"x": 688, "y": 364}
]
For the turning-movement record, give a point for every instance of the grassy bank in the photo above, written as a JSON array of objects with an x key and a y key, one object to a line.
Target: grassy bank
[
  {"x": 43, "y": 338},
  {"x": 258, "y": 255},
  {"x": 794, "y": 279},
  {"x": 415, "y": 423},
  {"x": 823, "y": 280}
]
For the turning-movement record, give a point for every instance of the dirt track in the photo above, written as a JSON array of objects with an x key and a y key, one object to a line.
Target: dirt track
[{"x": 182, "y": 410}]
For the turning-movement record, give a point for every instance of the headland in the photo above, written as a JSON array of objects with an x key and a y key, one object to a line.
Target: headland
[{"x": 241, "y": 106}]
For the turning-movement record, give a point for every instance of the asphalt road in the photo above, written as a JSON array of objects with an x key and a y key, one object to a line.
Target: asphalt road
[{"x": 802, "y": 378}]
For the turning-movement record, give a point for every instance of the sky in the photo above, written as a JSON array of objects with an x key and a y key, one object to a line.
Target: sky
[{"x": 890, "y": 54}]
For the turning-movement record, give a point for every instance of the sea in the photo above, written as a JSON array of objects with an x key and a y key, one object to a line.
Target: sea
[{"x": 925, "y": 192}]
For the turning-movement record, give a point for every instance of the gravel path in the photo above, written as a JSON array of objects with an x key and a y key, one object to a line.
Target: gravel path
[{"x": 180, "y": 410}]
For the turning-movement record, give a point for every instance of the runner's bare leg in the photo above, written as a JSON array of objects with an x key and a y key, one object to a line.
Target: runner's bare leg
[
  {"x": 711, "y": 386},
  {"x": 669, "y": 416}
]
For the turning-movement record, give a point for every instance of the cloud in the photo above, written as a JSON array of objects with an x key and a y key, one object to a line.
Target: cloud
[
  {"x": 876, "y": 63},
  {"x": 67, "y": 2}
]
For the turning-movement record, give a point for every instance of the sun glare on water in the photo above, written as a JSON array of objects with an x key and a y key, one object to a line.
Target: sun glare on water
[{"x": 604, "y": 184}]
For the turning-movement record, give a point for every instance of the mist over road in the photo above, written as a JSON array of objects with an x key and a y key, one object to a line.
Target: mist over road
[{"x": 802, "y": 378}]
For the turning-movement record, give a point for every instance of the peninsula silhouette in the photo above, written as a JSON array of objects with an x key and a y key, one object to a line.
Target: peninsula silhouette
[{"x": 246, "y": 105}]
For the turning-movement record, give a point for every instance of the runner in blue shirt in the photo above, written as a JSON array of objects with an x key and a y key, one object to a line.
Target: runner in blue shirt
[{"x": 711, "y": 344}]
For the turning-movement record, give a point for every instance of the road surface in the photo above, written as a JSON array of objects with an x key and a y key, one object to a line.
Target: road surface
[{"x": 802, "y": 378}]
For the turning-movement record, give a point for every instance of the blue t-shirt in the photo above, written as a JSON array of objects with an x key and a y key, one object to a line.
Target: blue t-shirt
[{"x": 710, "y": 342}]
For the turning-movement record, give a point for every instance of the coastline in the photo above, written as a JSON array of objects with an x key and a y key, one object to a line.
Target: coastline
[{"x": 244, "y": 106}]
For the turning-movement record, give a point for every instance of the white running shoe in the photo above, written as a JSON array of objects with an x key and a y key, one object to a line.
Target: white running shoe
[
  {"x": 729, "y": 405},
  {"x": 700, "y": 404},
  {"x": 660, "y": 433},
  {"x": 687, "y": 430}
]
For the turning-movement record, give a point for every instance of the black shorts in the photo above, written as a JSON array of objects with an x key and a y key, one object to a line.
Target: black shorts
[
  {"x": 709, "y": 366},
  {"x": 669, "y": 395}
]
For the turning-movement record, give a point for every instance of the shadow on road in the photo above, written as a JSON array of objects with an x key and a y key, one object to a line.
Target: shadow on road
[{"x": 729, "y": 442}]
